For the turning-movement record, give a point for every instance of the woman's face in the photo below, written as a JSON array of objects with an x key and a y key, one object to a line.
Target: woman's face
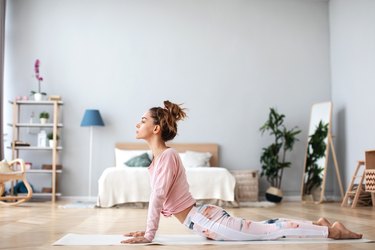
[{"x": 146, "y": 127}]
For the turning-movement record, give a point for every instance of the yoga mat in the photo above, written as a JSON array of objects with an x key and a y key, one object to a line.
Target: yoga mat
[{"x": 115, "y": 239}]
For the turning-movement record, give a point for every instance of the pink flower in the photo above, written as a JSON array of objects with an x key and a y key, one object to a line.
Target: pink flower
[
  {"x": 36, "y": 69},
  {"x": 38, "y": 77}
]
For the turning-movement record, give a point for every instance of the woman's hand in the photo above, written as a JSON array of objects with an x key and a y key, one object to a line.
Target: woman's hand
[
  {"x": 135, "y": 234},
  {"x": 135, "y": 240}
]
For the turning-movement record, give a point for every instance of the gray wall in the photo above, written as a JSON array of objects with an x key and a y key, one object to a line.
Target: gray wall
[
  {"x": 227, "y": 61},
  {"x": 352, "y": 28}
]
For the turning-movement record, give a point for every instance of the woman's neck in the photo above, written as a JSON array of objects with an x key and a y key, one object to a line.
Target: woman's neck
[{"x": 157, "y": 147}]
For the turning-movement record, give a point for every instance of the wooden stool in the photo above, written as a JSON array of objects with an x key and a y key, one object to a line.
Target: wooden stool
[{"x": 8, "y": 173}]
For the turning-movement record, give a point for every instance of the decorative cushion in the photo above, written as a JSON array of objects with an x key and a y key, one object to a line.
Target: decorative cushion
[
  {"x": 123, "y": 156},
  {"x": 193, "y": 159},
  {"x": 139, "y": 161}
]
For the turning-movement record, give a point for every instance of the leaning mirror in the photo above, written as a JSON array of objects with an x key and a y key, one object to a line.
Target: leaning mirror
[{"x": 316, "y": 159}]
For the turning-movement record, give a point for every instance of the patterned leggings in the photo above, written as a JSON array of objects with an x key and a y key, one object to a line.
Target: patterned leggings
[{"x": 215, "y": 223}]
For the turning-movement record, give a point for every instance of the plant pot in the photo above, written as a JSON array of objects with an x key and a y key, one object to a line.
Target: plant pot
[
  {"x": 51, "y": 143},
  {"x": 38, "y": 97},
  {"x": 316, "y": 193},
  {"x": 274, "y": 194},
  {"x": 308, "y": 197},
  {"x": 43, "y": 120}
]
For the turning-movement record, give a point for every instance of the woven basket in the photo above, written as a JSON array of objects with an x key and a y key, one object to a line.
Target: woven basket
[
  {"x": 370, "y": 180},
  {"x": 247, "y": 185}
]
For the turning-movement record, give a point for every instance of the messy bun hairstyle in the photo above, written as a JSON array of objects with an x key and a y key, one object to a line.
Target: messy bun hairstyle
[{"x": 167, "y": 119}]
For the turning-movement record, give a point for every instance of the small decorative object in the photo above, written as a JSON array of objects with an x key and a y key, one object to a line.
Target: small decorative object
[
  {"x": 28, "y": 165},
  {"x": 49, "y": 166},
  {"x": 42, "y": 139},
  {"x": 44, "y": 116},
  {"x": 32, "y": 130},
  {"x": 38, "y": 95},
  {"x": 46, "y": 190},
  {"x": 5, "y": 167},
  {"x": 273, "y": 157},
  {"x": 18, "y": 143},
  {"x": 54, "y": 98},
  {"x": 50, "y": 138}
]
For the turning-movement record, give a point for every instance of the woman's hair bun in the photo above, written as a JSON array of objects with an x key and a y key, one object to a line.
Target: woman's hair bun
[{"x": 175, "y": 110}]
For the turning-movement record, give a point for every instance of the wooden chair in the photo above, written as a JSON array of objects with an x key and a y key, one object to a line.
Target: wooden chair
[{"x": 8, "y": 173}]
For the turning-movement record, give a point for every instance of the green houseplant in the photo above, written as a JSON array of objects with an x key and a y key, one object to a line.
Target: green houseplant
[
  {"x": 43, "y": 116},
  {"x": 316, "y": 149},
  {"x": 273, "y": 158},
  {"x": 50, "y": 138}
]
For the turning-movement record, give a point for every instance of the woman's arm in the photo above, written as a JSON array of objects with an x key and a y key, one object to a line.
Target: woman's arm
[{"x": 161, "y": 184}]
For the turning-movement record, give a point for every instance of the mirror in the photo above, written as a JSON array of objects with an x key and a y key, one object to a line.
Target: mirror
[{"x": 316, "y": 158}]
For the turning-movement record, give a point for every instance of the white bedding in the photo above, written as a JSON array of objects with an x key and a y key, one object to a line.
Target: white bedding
[{"x": 131, "y": 184}]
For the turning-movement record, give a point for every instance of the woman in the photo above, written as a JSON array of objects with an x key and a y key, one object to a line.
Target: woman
[{"x": 170, "y": 195}]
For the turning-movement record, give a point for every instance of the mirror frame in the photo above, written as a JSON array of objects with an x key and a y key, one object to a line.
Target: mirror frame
[{"x": 319, "y": 112}]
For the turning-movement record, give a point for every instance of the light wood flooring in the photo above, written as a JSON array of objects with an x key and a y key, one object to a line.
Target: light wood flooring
[{"x": 36, "y": 225}]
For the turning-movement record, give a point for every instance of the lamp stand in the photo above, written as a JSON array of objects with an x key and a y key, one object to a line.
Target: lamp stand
[{"x": 90, "y": 161}]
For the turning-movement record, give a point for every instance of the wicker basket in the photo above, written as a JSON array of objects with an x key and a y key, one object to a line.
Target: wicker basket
[
  {"x": 370, "y": 180},
  {"x": 247, "y": 187}
]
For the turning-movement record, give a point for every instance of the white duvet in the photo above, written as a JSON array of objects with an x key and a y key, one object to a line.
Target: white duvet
[{"x": 131, "y": 184}]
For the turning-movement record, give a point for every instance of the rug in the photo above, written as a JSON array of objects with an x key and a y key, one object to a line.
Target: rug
[{"x": 113, "y": 239}]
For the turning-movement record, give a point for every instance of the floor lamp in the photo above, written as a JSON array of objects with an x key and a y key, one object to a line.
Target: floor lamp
[{"x": 91, "y": 118}]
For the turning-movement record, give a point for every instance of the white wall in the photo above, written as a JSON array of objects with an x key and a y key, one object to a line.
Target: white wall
[
  {"x": 227, "y": 61},
  {"x": 352, "y": 29}
]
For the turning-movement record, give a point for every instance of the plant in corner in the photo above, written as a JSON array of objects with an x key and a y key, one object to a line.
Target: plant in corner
[
  {"x": 38, "y": 94},
  {"x": 316, "y": 149},
  {"x": 273, "y": 158}
]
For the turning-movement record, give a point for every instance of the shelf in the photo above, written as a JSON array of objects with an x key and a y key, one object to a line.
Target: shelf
[
  {"x": 42, "y": 171},
  {"x": 17, "y": 145},
  {"x": 37, "y": 125},
  {"x": 44, "y": 195},
  {"x": 35, "y": 148},
  {"x": 30, "y": 102}
]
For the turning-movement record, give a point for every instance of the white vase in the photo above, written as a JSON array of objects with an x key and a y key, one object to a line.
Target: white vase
[
  {"x": 51, "y": 143},
  {"x": 43, "y": 120},
  {"x": 38, "y": 97}
]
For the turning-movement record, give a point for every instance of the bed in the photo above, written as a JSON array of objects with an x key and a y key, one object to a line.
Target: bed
[{"x": 122, "y": 184}]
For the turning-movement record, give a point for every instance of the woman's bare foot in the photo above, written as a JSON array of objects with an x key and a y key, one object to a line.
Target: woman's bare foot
[
  {"x": 339, "y": 231},
  {"x": 322, "y": 222}
]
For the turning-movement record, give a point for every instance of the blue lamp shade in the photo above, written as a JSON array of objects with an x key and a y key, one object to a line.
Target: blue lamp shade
[{"x": 92, "y": 117}]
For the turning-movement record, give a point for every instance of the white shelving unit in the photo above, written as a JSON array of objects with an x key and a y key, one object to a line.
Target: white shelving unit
[{"x": 55, "y": 126}]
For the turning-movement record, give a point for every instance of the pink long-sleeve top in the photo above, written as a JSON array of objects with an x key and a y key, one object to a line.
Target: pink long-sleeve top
[{"x": 169, "y": 190}]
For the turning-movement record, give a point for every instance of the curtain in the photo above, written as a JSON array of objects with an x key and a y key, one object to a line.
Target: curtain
[{"x": 2, "y": 41}]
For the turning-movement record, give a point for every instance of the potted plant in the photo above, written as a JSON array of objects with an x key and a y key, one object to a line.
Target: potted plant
[
  {"x": 316, "y": 149},
  {"x": 44, "y": 116},
  {"x": 50, "y": 138},
  {"x": 273, "y": 158},
  {"x": 38, "y": 95}
]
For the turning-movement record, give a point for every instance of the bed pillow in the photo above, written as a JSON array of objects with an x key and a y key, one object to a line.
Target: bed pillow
[
  {"x": 142, "y": 160},
  {"x": 122, "y": 156},
  {"x": 193, "y": 159}
]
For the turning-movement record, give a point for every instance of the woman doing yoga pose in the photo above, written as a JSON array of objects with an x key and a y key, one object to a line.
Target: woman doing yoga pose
[{"x": 170, "y": 195}]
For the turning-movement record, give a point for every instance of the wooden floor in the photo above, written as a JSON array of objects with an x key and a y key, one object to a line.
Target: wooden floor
[{"x": 36, "y": 225}]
